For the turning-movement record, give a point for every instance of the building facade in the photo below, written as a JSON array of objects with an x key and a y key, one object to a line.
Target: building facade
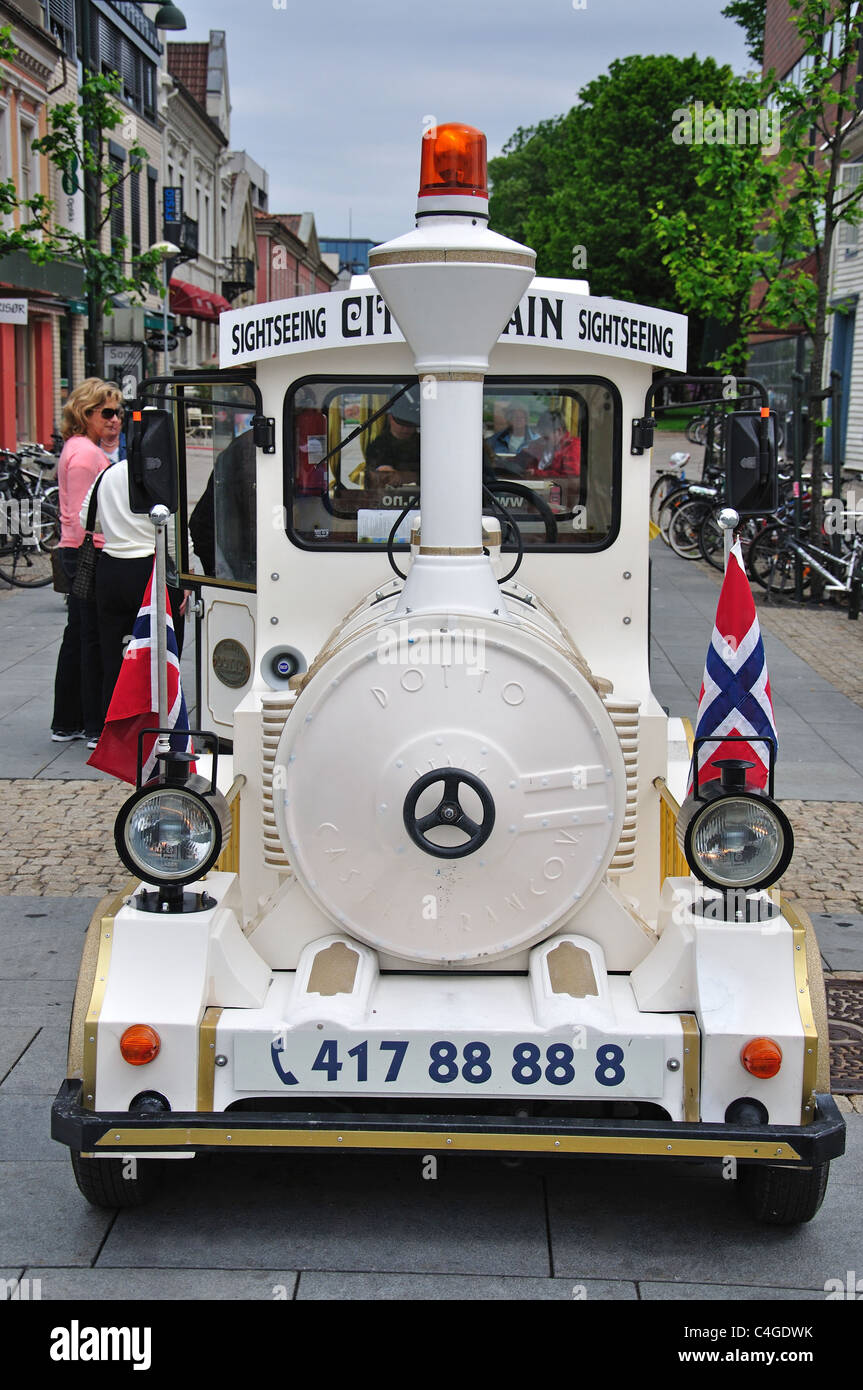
[
  {"x": 290, "y": 261},
  {"x": 37, "y": 331}
]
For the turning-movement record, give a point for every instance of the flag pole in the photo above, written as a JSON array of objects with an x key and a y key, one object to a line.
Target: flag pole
[
  {"x": 729, "y": 520},
  {"x": 159, "y": 516}
]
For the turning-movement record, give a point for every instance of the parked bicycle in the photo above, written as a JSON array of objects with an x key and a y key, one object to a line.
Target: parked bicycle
[{"x": 29, "y": 518}]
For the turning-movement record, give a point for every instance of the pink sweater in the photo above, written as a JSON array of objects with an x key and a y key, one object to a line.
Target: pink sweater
[{"x": 79, "y": 466}]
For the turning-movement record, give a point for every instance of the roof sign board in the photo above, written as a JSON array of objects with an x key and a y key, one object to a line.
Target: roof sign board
[
  {"x": 549, "y": 315},
  {"x": 13, "y": 310}
]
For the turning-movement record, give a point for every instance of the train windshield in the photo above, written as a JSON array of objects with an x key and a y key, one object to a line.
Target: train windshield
[{"x": 550, "y": 460}]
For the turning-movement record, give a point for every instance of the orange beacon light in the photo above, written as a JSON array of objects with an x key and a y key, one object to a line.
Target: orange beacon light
[{"x": 453, "y": 162}]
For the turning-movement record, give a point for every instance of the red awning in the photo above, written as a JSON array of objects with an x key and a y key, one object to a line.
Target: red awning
[{"x": 197, "y": 303}]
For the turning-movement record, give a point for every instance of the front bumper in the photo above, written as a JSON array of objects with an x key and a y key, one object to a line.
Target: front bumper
[{"x": 90, "y": 1131}]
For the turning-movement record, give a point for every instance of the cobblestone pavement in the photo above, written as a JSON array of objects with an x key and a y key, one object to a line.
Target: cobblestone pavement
[{"x": 48, "y": 844}]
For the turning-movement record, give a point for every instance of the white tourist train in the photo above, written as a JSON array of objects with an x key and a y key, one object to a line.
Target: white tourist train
[{"x": 436, "y": 893}]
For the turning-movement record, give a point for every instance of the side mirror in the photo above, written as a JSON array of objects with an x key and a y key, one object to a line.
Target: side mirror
[
  {"x": 152, "y": 461},
  {"x": 751, "y": 478}
]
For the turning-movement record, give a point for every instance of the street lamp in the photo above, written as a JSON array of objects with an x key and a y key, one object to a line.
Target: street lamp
[
  {"x": 166, "y": 251},
  {"x": 169, "y": 17}
]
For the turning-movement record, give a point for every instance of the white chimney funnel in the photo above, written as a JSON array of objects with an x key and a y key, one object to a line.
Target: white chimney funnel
[{"x": 451, "y": 286}]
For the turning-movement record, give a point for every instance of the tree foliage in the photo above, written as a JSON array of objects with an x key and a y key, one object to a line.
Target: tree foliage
[
  {"x": 750, "y": 15},
  {"x": 590, "y": 178},
  {"x": 37, "y": 233}
]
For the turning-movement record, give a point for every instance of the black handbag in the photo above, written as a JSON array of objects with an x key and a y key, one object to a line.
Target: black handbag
[
  {"x": 58, "y": 574},
  {"x": 84, "y": 583}
]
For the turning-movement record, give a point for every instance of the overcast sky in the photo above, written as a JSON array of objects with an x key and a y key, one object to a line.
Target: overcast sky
[{"x": 330, "y": 96}]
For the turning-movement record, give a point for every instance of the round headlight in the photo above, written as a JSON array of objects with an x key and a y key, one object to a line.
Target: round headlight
[
  {"x": 172, "y": 834},
  {"x": 739, "y": 841}
]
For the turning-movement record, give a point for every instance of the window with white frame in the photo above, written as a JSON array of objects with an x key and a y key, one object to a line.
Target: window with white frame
[{"x": 28, "y": 176}]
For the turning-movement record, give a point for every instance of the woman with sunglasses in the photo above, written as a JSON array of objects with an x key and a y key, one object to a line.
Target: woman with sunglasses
[{"x": 92, "y": 420}]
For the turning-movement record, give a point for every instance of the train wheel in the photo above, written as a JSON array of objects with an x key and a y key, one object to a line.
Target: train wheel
[
  {"x": 116, "y": 1182},
  {"x": 782, "y": 1196}
]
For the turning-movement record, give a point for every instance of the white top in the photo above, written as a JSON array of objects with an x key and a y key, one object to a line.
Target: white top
[{"x": 127, "y": 536}]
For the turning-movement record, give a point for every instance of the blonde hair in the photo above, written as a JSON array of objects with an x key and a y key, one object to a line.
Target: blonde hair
[{"x": 88, "y": 396}]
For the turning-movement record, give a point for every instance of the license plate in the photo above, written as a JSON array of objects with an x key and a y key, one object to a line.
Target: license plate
[{"x": 428, "y": 1064}]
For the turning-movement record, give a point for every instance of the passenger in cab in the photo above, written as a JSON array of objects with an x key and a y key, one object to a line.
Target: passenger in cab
[
  {"x": 396, "y": 450},
  {"x": 516, "y": 433},
  {"x": 555, "y": 454}
]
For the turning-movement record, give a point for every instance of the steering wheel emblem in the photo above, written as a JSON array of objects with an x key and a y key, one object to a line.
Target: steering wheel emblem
[{"x": 449, "y": 812}]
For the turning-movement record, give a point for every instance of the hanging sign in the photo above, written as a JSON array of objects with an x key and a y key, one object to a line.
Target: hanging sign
[{"x": 13, "y": 310}]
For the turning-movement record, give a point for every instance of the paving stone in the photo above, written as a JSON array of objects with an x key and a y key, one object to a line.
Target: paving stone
[
  {"x": 44, "y": 1219},
  {"x": 188, "y": 1285},
  {"x": 637, "y": 1222},
  {"x": 840, "y": 937},
  {"x": 42, "y": 1068},
  {"x": 319, "y": 1213},
  {"x": 13, "y": 1042},
  {"x": 725, "y": 1293},
  {"x": 25, "y": 1128},
  {"x": 441, "y": 1288}
]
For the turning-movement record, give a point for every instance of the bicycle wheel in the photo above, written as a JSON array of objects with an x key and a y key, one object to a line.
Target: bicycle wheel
[
  {"x": 711, "y": 541},
  {"x": 663, "y": 487},
  {"x": 25, "y": 557},
  {"x": 696, "y": 430},
  {"x": 772, "y": 562},
  {"x": 672, "y": 504},
  {"x": 685, "y": 529}
]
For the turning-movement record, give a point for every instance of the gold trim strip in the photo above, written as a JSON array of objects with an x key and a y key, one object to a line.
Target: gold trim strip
[
  {"x": 207, "y": 583},
  {"x": 452, "y": 255},
  {"x": 690, "y": 734},
  {"x": 207, "y": 1057},
  {"x": 691, "y": 1068},
  {"x": 451, "y": 376},
  {"x": 672, "y": 860},
  {"x": 94, "y": 1009},
  {"x": 238, "y": 1138},
  {"x": 228, "y": 861},
  {"x": 450, "y": 550},
  {"x": 807, "y": 1014}
]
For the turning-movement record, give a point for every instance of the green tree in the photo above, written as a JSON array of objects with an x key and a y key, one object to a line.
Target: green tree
[
  {"x": 726, "y": 262},
  {"x": 750, "y": 15},
  {"x": 591, "y": 177},
  {"x": 76, "y": 145},
  {"x": 761, "y": 254}
]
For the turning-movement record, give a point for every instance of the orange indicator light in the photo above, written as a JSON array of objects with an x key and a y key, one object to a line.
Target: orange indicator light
[
  {"x": 140, "y": 1044},
  {"x": 762, "y": 1057}
]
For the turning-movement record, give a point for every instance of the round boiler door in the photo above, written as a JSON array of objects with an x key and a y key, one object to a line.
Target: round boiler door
[{"x": 449, "y": 802}]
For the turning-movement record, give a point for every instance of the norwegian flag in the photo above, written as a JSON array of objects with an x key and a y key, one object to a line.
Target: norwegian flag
[
  {"x": 735, "y": 692},
  {"x": 135, "y": 702}
]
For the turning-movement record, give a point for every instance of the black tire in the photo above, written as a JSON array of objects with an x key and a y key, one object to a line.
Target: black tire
[
  {"x": 663, "y": 487},
  {"x": 25, "y": 561},
  {"x": 711, "y": 541},
  {"x": 101, "y": 1180},
  {"x": 782, "y": 1196},
  {"x": 672, "y": 504},
  {"x": 772, "y": 562},
  {"x": 685, "y": 529}
]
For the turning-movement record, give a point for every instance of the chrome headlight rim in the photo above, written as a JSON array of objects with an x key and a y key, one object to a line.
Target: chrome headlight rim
[
  {"x": 711, "y": 798},
  {"x": 208, "y": 801}
]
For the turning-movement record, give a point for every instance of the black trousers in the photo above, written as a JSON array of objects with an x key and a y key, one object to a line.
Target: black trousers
[
  {"x": 78, "y": 688},
  {"x": 120, "y": 587}
]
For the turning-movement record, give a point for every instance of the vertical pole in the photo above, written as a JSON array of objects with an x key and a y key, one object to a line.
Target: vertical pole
[
  {"x": 797, "y": 381},
  {"x": 729, "y": 520},
  {"x": 159, "y": 516},
  {"x": 836, "y": 446}
]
